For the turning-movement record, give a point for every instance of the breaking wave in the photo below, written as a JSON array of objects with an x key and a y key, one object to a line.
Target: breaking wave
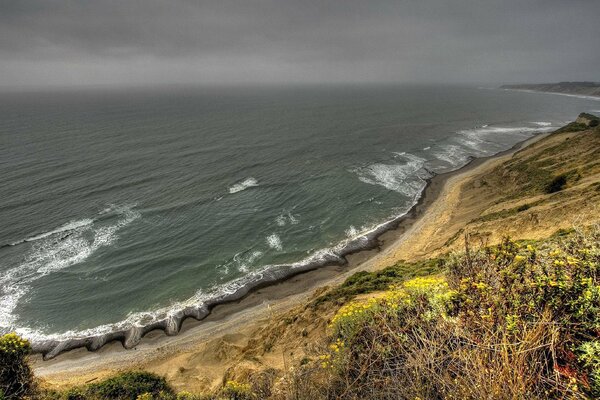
[
  {"x": 274, "y": 242},
  {"x": 56, "y": 250},
  {"x": 407, "y": 178},
  {"x": 243, "y": 185}
]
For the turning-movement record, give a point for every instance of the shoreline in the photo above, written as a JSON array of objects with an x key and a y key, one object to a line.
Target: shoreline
[
  {"x": 283, "y": 293},
  {"x": 576, "y": 95}
]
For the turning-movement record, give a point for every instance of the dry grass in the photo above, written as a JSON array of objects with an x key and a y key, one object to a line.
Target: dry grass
[{"x": 507, "y": 323}]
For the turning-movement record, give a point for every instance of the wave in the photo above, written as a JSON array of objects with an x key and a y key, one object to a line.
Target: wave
[
  {"x": 452, "y": 154},
  {"x": 274, "y": 242},
  {"x": 68, "y": 227},
  {"x": 482, "y": 141},
  {"x": 351, "y": 232},
  {"x": 53, "y": 251},
  {"x": 242, "y": 261},
  {"x": 286, "y": 217},
  {"x": 407, "y": 179},
  {"x": 243, "y": 185},
  {"x": 487, "y": 130}
]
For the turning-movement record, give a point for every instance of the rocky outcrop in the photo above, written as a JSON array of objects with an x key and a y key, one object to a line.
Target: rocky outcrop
[{"x": 587, "y": 119}]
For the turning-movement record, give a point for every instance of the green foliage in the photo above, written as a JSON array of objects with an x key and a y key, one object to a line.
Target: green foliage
[
  {"x": 592, "y": 118},
  {"x": 132, "y": 385},
  {"x": 238, "y": 391},
  {"x": 572, "y": 127},
  {"x": 189, "y": 396},
  {"x": 508, "y": 321},
  {"x": 366, "y": 282},
  {"x": 590, "y": 357},
  {"x": 516, "y": 289},
  {"x": 16, "y": 379}
]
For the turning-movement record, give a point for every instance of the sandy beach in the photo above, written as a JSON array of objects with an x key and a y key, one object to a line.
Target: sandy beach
[{"x": 197, "y": 357}]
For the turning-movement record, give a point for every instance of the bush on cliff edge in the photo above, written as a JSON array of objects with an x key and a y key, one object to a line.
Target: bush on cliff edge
[{"x": 16, "y": 378}]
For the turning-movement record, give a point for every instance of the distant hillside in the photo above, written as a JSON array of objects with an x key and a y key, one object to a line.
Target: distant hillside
[{"x": 578, "y": 88}]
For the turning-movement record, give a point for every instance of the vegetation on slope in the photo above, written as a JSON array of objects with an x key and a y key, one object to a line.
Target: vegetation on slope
[
  {"x": 515, "y": 320},
  {"x": 509, "y": 321},
  {"x": 16, "y": 379}
]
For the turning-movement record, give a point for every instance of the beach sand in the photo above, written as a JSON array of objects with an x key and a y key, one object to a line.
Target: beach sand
[{"x": 198, "y": 356}]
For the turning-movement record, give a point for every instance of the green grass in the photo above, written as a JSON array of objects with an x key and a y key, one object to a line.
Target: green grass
[
  {"x": 572, "y": 127},
  {"x": 366, "y": 282},
  {"x": 506, "y": 213}
]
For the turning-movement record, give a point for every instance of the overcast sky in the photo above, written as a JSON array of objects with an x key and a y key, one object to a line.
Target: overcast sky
[{"x": 90, "y": 42}]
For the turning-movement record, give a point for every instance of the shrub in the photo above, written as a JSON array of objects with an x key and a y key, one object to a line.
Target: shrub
[
  {"x": 238, "y": 391},
  {"x": 16, "y": 378},
  {"x": 572, "y": 127},
  {"x": 557, "y": 184},
  {"x": 131, "y": 385}
]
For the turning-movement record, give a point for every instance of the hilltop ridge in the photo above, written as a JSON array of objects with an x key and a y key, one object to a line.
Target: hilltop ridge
[{"x": 573, "y": 88}]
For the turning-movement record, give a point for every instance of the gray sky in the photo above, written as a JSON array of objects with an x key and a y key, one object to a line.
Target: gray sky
[{"x": 89, "y": 42}]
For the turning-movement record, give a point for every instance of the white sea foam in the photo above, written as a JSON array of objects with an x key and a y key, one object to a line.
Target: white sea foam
[
  {"x": 487, "y": 130},
  {"x": 73, "y": 225},
  {"x": 244, "y": 260},
  {"x": 542, "y": 123},
  {"x": 286, "y": 217},
  {"x": 401, "y": 178},
  {"x": 351, "y": 232},
  {"x": 52, "y": 251},
  {"x": 274, "y": 242},
  {"x": 243, "y": 185},
  {"x": 482, "y": 140},
  {"x": 452, "y": 154}
]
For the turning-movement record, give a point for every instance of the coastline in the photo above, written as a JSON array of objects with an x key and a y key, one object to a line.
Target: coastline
[
  {"x": 576, "y": 95},
  {"x": 262, "y": 301}
]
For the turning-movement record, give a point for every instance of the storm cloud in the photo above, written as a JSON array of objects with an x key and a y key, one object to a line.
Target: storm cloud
[{"x": 88, "y": 42}]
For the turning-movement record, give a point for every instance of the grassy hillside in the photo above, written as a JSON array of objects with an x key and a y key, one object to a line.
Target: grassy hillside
[
  {"x": 552, "y": 184},
  {"x": 480, "y": 316},
  {"x": 580, "y": 88}
]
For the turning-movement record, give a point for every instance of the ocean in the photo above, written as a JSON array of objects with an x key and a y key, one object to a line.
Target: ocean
[{"x": 120, "y": 207}]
